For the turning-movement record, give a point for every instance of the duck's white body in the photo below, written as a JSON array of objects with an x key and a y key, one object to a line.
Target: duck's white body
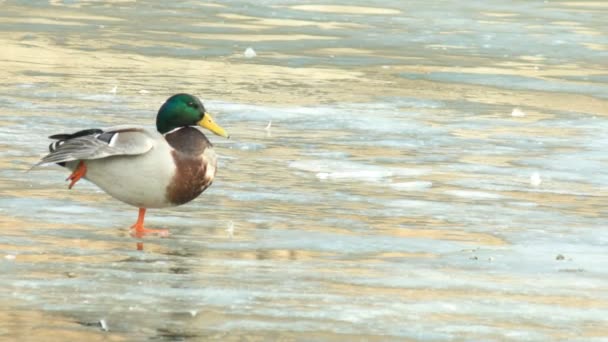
[{"x": 139, "y": 180}]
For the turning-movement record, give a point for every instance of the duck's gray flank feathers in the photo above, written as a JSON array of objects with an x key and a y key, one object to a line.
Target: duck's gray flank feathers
[{"x": 97, "y": 143}]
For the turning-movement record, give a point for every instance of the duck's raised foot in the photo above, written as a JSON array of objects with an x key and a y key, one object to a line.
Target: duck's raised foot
[{"x": 79, "y": 172}]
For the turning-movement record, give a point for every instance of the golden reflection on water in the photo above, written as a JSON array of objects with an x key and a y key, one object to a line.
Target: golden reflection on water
[
  {"x": 438, "y": 294},
  {"x": 264, "y": 23},
  {"x": 306, "y": 85}
]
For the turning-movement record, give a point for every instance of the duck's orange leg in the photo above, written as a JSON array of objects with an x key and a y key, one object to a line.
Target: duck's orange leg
[
  {"x": 79, "y": 172},
  {"x": 140, "y": 231}
]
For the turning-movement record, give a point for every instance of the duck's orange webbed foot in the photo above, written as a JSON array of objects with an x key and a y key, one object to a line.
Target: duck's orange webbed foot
[
  {"x": 140, "y": 231},
  {"x": 79, "y": 172}
]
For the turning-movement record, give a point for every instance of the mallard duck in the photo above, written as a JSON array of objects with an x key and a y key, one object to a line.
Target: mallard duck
[{"x": 143, "y": 167}]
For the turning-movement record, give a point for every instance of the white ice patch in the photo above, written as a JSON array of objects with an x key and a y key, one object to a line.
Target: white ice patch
[
  {"x": 347, "y": 170},
  {"x": 518, "y": 113},
  {"x": 524, "y": 204},
  {"x": 535, "y": 179},
  {"x": 248, "y": 146},
  {"x": 366, "y": 175},
  {"x": 268, "y": 128},
  {"x": 411, "y": 204},
  {"x": 249, "y": 53},
  {"x": 96, "y": 97},
  {"x": 476, "y": 195},
  {"x": 103, "y": 324},
  {"x": 412, "y": 186},
  {"x": 230, "y": 230}
]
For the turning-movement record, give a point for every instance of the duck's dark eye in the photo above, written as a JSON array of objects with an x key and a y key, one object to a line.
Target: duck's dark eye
[{"x": 193, "y": 105}]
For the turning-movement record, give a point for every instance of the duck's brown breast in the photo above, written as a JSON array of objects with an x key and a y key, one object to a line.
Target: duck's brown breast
[{"x": 194, "y": 170}]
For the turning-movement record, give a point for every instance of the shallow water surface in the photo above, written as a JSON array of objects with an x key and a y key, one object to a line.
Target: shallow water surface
[{"x": 398, "y": 171}]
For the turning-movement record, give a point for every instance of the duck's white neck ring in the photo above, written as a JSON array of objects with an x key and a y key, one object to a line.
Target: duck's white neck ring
[{"x": 174, "y": 130}]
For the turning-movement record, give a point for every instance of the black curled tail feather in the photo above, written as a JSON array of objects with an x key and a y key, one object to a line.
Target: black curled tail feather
[
  {"x": 54, "y": 146},
  {"x": 77, "y": 134},
  {"x": 62, "y": 138}
]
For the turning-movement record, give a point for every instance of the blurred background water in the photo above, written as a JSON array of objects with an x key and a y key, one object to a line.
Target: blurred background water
[{"x": 398, "y": 170}]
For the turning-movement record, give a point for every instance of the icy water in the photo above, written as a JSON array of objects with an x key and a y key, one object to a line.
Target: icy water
[{"x": 432, "y": 171}]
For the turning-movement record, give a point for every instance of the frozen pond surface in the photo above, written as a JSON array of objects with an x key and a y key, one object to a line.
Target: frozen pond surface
[{"x": 432, "y": 171}]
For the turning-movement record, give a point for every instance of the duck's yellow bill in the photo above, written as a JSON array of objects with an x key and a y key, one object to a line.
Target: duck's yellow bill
[{"x": 208, "y": 123}]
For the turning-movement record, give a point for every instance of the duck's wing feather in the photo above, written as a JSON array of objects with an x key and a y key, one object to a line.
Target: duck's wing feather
[{"x": 99, "y": 143}]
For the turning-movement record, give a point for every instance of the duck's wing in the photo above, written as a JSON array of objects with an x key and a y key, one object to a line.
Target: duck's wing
[{"x": 99, "y": 143}]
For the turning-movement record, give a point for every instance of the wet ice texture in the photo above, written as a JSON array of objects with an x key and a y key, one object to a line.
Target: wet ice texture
[
  {"x": 462, "y": 200},
  {"x": 306, "y": 213}
]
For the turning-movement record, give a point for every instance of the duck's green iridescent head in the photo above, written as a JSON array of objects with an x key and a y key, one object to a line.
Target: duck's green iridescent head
[{"x": 185, "y": 110}]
